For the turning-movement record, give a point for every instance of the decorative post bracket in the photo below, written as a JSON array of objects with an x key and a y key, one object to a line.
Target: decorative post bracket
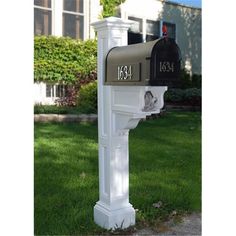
[
  {"x": 132, "y": 103},
  {"x": 120, "y": 108}
]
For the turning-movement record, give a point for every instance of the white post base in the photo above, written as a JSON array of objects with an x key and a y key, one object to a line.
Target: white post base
[{"x": 114, "y": 219}]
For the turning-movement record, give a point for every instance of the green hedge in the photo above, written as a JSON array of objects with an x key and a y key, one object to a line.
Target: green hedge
[
  {"x": 174, "y": 95},
  {"x": 62, "y": 59},
  {"x": 193, "y": 96},
  {"x": 190, "y": 96},
  {"x": 87, "y": 99},
  {"x": 53, "y": 109},
  {"x": 190, "y": 82}
]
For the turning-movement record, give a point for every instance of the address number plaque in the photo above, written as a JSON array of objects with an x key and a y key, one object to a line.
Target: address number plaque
[{"x": 124, "y": 72}]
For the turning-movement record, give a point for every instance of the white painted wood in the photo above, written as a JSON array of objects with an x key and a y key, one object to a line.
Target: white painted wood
[
  {"x": 113, "y": 208},
  {"x": 57, "y": 19},
  {"x": 40, "y": 94},
  {"x": 86, "y": 19},
  {"x": 37, "y": 93},
  {"x": 120, "y": 108},
  {"x": 94, "y": 13}
]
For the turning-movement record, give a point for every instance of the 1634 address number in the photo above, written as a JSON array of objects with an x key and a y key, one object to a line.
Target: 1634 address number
[
  {"x": 124, "y": 72},
  {"x": 166, "y": 66}
]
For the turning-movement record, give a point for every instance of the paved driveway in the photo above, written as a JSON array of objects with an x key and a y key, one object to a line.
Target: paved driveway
[{"x": 191, "y": 225}]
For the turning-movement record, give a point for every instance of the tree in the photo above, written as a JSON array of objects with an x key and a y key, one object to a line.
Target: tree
[{"x": 110, "y": 7}]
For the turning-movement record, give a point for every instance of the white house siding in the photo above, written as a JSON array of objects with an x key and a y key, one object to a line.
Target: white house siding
[
  {"x": 95, "y": 12},
  {"x": 187, "y": 21},
  {"x": 188, "y": 25},
  {"x": 37, "y": 93},
  {"x": 40, "y": 95}
]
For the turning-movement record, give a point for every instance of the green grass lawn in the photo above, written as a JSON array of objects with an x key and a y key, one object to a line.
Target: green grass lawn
[{"x": 165, "y": 165}]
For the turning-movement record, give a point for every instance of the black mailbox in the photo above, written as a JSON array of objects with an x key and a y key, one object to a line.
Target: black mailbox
[{"x": 155, "y": 63}]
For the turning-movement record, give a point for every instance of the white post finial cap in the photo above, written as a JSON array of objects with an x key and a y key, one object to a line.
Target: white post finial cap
[{"x": 113, "y": 22}]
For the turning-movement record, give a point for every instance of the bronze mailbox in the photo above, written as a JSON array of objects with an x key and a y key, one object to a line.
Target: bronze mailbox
[{"x": 155, "y": 63}]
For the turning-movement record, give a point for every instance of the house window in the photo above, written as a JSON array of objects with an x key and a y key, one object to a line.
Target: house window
[
  {"x": 152, "y": 30},
  {"x": 73, "y": 19},
  {"x": 61, "y": 90},
  {"x": 137, "y": 26},
  {"x": 42, "y": 17},
  {"x": 171, "y": 29},
  {"x": 135, "y": 33},
  {"x": 56, "y": 90},
  {"x": 49, "y": 91}
]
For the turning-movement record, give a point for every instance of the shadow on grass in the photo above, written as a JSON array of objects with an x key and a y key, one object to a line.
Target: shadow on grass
[
  {"x": 66, "y": 178},
  {"x": 165, "y": 165}
]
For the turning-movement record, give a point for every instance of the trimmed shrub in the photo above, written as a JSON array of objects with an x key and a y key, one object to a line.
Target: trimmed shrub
[
  {"x": 72, "y": 92},
  {"x": 174, "y": 95},
  {"x": 87, "y": 98},
  {"x": 197, "y": 81},
  {"x": 185, "y": 79},
  {"x": 193, "y": 96},
  {"x": 64, "y": 60},
  {"x": 52, "y": 109}
]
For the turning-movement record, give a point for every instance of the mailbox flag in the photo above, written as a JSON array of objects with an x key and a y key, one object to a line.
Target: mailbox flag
[{"x": 164, "y": 31}]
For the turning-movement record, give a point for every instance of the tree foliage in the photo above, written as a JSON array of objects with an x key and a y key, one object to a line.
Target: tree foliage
[
  {"x": 62, "y": 59},
  {"x": 87, "y": 99},
  {"x": 110, "y": 7}
]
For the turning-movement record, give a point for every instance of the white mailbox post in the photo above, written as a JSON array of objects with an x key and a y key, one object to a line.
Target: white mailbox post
[{"x": 120, "y": 108}]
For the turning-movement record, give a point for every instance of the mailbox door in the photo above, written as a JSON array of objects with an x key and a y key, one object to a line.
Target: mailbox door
[{"x": 165, "y": 63}]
